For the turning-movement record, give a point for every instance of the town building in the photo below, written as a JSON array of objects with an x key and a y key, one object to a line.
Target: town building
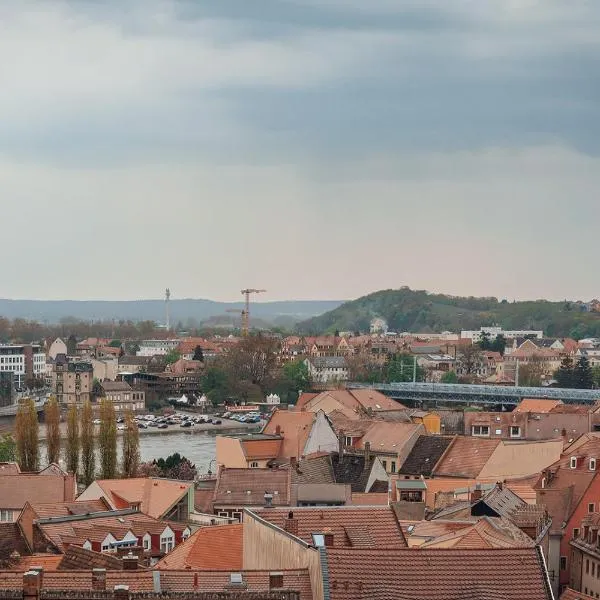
[
  {"x": 72, "y": 380},
  {"x": 157, "y": 347},
  {"x": 327, "y": 369},
  {"x": 494, "y": 332},
  {"x": 123, "y": 396},
  {"x": 26, "y": 362}
]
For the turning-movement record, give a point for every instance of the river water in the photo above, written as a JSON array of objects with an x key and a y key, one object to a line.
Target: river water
[{"x": 198, "y": 446}]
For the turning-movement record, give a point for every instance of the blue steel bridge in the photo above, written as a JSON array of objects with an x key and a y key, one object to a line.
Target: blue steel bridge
[{"x": 477, "y": 394}]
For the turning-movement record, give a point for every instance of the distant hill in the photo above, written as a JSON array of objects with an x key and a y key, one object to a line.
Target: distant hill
[
  {"x": 420, "y": 311},
  {"x": 53, "y": 311}
]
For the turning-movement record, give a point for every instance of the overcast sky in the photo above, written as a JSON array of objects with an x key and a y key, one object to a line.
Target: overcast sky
[{"x": 315, "y": 148}]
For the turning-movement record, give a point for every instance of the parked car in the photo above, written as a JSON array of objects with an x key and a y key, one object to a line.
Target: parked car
[
  {"x": 216, "y": 421},
  {"x": 185, "y": 424},
  {"x": 96, "y": 421},
  {"x": 162, "y": 426}
]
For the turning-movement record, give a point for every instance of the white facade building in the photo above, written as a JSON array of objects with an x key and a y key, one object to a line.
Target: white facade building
[
  {"x": 327, "y": 369},
  {"x": 25, "y": 361},
  {"x": 154, "y": 347},
  {"x": 494, "y": 332}
]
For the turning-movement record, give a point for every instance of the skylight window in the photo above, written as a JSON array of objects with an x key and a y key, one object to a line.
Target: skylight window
[{"x": 318, "y": 540}]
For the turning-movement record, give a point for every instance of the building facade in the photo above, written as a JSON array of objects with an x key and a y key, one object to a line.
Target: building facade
[
  {"x": 72, "y": 381},
  {"x": 154, "y": 347},
  {"x": 25, "y": 361}
]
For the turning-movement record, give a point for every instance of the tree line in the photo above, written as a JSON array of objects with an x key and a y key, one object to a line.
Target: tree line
[{"x": 80, "y": 442}]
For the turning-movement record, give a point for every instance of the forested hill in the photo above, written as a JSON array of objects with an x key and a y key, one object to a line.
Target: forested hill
[{"x": 419, "y": 311}]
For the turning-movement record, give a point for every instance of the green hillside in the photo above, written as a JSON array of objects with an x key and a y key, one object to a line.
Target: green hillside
[{"x": 417, "y": 310}]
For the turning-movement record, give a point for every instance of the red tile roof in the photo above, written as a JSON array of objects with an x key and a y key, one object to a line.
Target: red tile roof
[
  {"x": 157, "y": 496},
  {"x": 247, "y": 487},
  {"x": 294, "y": 426},
  {"x": 261, "y": 449},
  {"x": 16, "y": 490},
  {"x": 351, "y": 526},
  {"x": 49, "y": 562},
  {"x": 534, "y": 405},
  {"x": 217, "y": 547},
  {"x": 437, "y": 574},
  {"x": 170, "y": 581},
  {"x": 466, "y": 457}
]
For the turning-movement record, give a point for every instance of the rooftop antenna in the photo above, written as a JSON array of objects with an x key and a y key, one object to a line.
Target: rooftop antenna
[{"x": 167, "y": 299}]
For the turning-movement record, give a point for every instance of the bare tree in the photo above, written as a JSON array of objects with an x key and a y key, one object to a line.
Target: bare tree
[
  {"x": 253, "y": 360},
  {"x": 88, "y": 456},
  {"x": 532, "y": 372},
  {"x": 131, "y": 446},
  {"x": 27, "y": 436},
  {"x": 469, "y": 360},
  {"x": 72, "y": 446},
  {"x": 107, "y": 439},
  {"x": 52, "y": 417}
]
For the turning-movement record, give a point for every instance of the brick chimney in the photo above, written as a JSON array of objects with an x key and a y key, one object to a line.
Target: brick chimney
[
  {"x": 99, "y": 579},
  {"x": 477, "y": 493},
  {"x": 121, "y": 592},
  {"x": 268, "y": 500},
  {"x": 32, "y": 584},
  {"x": 290, "y": 524},
  {"x": 278, "y": 430},
  {"x": 293, "y": 462},
  {"x": 130, "y": 562}
]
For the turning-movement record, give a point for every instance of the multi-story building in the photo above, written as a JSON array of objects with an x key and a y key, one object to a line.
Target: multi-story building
[
  {"x": 494, "y": 332},
  {"x": 25, "y": 361},
  {"x": 123, "y": 396},
  {"x": 72, "y": 381},
  {"x": 154, "y": 347}
]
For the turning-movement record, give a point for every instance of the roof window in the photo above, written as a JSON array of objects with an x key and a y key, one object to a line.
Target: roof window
[{"x": 573, "y": 462}]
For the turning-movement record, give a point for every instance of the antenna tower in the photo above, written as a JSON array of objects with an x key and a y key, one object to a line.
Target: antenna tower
[{"x": 167, "y": 299}]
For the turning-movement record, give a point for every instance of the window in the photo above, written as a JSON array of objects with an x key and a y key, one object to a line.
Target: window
[
  {"x": 576, "y": 532},
  {"x": 591, "y": 507},
  {"x": 275, "y": 581},
  {"x": 6, "y": 515},
  {"x": 592, "y": 464},
  {"x": 515, "y": 431},
  {"x": 498, "y": 431},
  {"x": 254, "y": 465},
  {"x": 348, "y": 441},
  {"x": 384, "y": 463},
  {"x": 563, "y": 563},
  {"x": 587, "y": 566},
  {"x": 166, "y": 543},
  {"x": 318, "y": 540},
  {"x": 593, "y": 569},
  {"x": 393, "y": 467},
  {"x": 481, "y": 430},
  {"x": 573, "y": 462},
  {"x": 146, "y": 543}
]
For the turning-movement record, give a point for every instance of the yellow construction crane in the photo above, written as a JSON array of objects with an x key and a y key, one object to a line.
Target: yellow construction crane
[
  {"x": 242, "y": 314},
  {"x": 246, "y": 312}
]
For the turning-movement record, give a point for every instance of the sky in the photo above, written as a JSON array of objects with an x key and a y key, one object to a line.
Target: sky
[{"x": 320, "y": 149}]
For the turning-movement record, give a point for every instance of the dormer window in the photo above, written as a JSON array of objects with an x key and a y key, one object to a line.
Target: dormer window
[
  {"x": 573, "y": 462},
  {"x": 592, "y": 464}
]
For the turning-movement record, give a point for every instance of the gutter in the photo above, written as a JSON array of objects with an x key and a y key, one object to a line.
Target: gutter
[
  {"x": 325, "y": 573},
  {"x": 542, "y": 560}
]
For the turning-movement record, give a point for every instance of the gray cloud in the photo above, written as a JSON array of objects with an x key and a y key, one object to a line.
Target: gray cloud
[{"x": 320, "y": 149}]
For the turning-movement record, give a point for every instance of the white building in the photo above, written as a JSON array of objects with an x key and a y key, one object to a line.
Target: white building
[
  {"x": 273, "y": 399},
  {"x": 25, "y": 361},
  {"x": 378, "y": 325},
  {"x": 327, "y": 369},
  {"x": 154, "y": 347},
  {"x": 494, "y": 332},
  {"x": 57, "y": 347}
]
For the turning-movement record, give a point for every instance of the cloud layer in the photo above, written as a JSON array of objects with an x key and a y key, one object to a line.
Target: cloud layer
[{"x": 318, "y": 149}]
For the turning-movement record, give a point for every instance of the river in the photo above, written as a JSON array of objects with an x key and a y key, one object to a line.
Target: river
[{"x": 198, "y": 446}]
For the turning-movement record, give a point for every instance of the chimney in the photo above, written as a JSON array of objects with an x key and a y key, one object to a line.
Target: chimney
[
  {"x": 477, "y": 493},
  {"x": 328, "y": 539},
  {"x": 156, "y": 582},
  {"x": 341, "y": 443},
  {"x": 278, "y": 430},
  {"x": 367, "y": 455},
  {"x": 294, "y": 463},
  {"x": 32, "y": 584},
  {"x": 499, "y": 485},
  {"x": 291, "y": 524},
  {"x": 99, "y": 580},
  {"x": 130, "y": 562},
  {"x": 268, "y": 500},
  {"x": 121, "y": 592}
]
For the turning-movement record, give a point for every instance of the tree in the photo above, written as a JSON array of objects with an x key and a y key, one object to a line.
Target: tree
[
  {"x": 72, "y": 446},
  {"x": 97, "y": 389},
  {"x": 176, "y": 466},
  {"x": 107, "y": 439},
  {"x": 198, "y": 354},
  {"x": 215, "y": 383},
  {"x": 27, "y": 436},
  {"x": 596, "y": 376},
  {"x": 403, "y": 367},
  {"x": 115, "y": 344},
  {"x": 294, "y": 379},
  {"x": 470, "y": 359},
  {"x": 172, "y": 357},
  {"x": 88, "y": 443},
  {"x": 131, "y": 446},
  {"x": 583, "y": 377},
  {"x": 449, "y": 377},
  {"x": 52, "y": 417},
  {"x": 565, "y": 373},
  {"x": 485, "y": 342},
  {"x": 72, "y": 345},
  {"x": 531, "y": 373},
  {"x": 499, "y": 344},
  {"x": 8, "y": 448}
]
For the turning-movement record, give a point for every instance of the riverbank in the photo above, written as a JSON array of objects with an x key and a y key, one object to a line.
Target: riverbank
[{"x": 225, "y": 426}]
